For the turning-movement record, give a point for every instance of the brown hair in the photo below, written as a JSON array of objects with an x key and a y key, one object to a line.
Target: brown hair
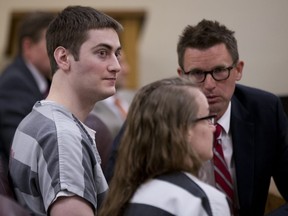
[
  {"x": 155, "y": 139},
  {"x": 33, "y": 25},
  {"x": 69, "y": 29},
  {"x": 205, "y": 35}
]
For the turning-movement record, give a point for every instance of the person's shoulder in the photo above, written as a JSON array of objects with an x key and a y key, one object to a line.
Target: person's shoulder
[
  {"x": 243, "y": 92},
  {"x": 126, "y": 94},
  {"x": 252, "y": 90},
  {"x": 102, "y": 108},
  {"x": 217, "y": 200},
  {"x": 48, "y": 119},
  {"x": 58, "y": 114},
  {"x": 37, "y": 120},
  {"x": 208, "y": 189},
  {"x": 45, "y": 114},
  {"x": 166, "y": 193},
  {"x": 17, "y": 62},
  {"x": 14, "y": 72}
]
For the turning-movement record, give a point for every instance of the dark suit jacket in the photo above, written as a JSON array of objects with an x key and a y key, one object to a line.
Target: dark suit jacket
[
  {"x": 18, "y": 94},
  {"x": 103, "y": 138},
  {"x": 259, "y": 130}
]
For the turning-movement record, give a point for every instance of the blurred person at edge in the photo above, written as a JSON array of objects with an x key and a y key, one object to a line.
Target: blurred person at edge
[
  {"x": 108, "y": 115},
  {"x": 27, "y": 79},
  {"x": 113, "y": 113}
]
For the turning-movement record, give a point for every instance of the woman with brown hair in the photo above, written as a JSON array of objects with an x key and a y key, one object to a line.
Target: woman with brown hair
[{"x": 169, "y": 133}]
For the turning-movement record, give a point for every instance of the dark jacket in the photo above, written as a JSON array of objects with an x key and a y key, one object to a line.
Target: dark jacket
[
  {"x": 259, "y": 130},
  {"x": 18, "y": 94}
]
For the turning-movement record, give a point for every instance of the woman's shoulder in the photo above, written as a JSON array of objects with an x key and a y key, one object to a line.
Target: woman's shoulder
[
  {"x": 217, "y": 200},
  {"x": 176, "y": 193}
]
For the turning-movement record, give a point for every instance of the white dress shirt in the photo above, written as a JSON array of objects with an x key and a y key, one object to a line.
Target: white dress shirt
[{"x": 39, "y": 78}]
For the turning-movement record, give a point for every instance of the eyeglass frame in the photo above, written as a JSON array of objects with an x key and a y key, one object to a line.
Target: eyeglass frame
[
  {"x": 229, "y": 68},
  {"x": 210, "y": 118}
]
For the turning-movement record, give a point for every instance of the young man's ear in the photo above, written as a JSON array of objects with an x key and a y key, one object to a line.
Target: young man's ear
[{"x": 61, "y": 56}]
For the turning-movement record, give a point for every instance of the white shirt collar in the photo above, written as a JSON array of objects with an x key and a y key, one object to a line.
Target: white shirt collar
[
  {"x": 224, "y": 121},
  {"x": 39, "y": 78}
]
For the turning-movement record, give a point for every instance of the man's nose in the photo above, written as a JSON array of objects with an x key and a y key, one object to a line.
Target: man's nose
[
  {"x": 114, "y": 64},
  {"x": 209, "y": 82}
]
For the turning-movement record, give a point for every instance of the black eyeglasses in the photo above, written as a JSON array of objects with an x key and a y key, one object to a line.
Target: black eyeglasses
[
  {"x": 209, "y": 118},
  {"x": 218, "y": 74}
]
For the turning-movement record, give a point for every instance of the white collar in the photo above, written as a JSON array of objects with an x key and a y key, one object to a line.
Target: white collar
[
  {"x": 224, "y": 121},
  {"x": 39, "y": 78}
]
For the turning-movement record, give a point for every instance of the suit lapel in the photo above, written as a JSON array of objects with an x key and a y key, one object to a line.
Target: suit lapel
[{"x": 242, "y": 129}]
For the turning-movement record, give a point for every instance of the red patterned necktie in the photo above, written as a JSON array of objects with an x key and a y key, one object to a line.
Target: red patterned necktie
[{"x": 223, "y": 178}]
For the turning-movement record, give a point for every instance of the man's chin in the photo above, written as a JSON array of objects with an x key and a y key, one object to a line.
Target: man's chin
[
  {"x": 214, "y": 109},
  {"x": 109, "y": 93}
]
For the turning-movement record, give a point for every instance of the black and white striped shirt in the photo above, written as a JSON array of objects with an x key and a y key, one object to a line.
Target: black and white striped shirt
[
  {"x": 53, "y": 155},
  {"x": 178, "y": 194}
]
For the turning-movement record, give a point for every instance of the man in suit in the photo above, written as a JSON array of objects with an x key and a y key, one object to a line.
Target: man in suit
[
  {"x": 26, "y": 79},
  {"x": 255, "y": 127},
  {"x": 254, "y": 134}
]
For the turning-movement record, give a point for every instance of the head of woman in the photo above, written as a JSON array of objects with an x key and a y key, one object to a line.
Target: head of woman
[{"x": 164, "y": 133}]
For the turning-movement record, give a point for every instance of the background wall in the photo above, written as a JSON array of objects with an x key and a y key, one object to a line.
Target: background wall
[{"x": 261, "y": 28}]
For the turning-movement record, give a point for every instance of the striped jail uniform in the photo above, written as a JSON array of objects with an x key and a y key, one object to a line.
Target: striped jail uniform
[{"x": 54, "y": 155}]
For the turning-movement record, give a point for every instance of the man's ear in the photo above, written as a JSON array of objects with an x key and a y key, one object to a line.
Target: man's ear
[
  {"x": 239, "y": 68},
  {"x": 179, "y": 71},
  {"x": 61, "y": 56},
  {"x": 26, "y": 46}
]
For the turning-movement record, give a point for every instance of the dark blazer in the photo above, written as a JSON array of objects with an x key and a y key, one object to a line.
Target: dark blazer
[
  {"x": 259, "y": 130},
  {"x": 18, "y": 94},
  {"x": 109, "y": 171},
  {"x": 103, "y": 138}
]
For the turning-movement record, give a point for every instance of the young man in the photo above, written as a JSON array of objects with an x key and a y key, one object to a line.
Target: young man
[{"x": 54, "y": 164}]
